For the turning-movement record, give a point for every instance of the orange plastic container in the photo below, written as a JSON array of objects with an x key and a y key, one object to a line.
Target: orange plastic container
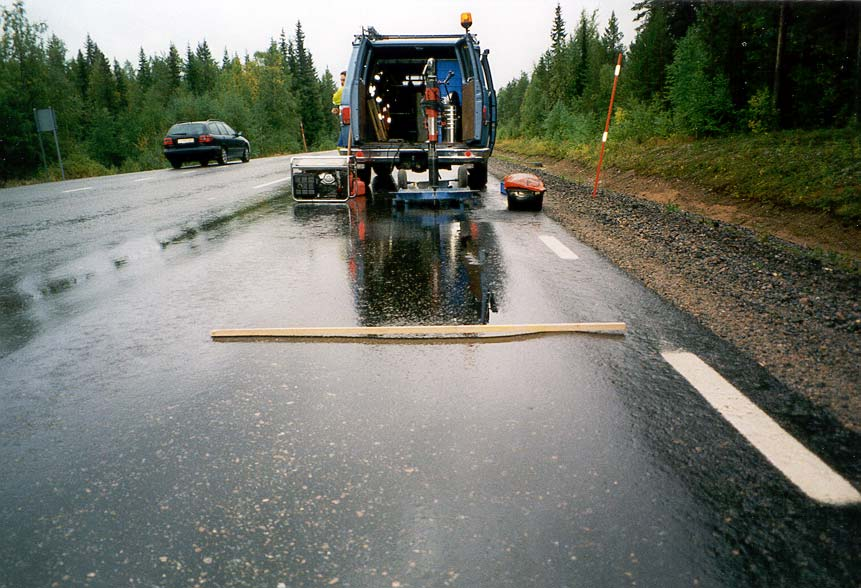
[
  {"x": 523, "y": 181},
  {"x": 523, "y": 190}
]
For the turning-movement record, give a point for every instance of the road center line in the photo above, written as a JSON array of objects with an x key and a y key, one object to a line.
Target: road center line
[
  {"x": 278, "y": 181},
  {"x": 557, "y": 247},
  {"x": 77, "y": 190},
  {"x": 804, "y": 469}
]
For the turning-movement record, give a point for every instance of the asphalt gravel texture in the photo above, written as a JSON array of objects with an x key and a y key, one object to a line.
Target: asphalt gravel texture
[{"x": 785, "y": 306}]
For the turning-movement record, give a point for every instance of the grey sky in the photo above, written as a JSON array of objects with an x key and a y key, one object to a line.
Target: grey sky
[{"x": 515, "y": 31}]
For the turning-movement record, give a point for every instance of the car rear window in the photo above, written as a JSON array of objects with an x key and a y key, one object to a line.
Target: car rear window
[{"x": 187, "y": 129}]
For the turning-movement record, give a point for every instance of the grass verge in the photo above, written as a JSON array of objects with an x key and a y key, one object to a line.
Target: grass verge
[{"x": 817, "y": 170}]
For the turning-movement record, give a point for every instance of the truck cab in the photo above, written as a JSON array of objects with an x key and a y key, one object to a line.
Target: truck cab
[{"x": 382, "y": 104}]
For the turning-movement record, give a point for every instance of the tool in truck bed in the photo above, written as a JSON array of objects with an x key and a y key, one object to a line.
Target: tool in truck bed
[{"x": 435, "y": 190}]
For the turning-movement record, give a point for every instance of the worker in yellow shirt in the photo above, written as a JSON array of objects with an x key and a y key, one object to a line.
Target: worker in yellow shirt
[{"x": 336, "y": 109}]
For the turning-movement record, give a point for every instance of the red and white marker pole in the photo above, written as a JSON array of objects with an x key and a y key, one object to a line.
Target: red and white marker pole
[{"x": 607, "y": 126}]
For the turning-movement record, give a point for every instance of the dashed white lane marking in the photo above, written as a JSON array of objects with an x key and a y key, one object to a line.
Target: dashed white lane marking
[
  {"x": 804, "y": 469},
  {"x": 144, "y": 179},
  {"x": 557, "y": 247},
  {"x": 77, "y": 190},
  {"x": 278, "y": 181}
]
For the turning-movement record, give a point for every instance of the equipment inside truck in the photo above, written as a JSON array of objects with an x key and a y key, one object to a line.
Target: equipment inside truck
[
  {"x": 399, "y": 86},
  {"x": 392, "y": 96}
]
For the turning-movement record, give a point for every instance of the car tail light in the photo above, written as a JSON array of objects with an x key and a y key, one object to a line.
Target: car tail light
[
  {"x": 205, "y": 139},
  {"x": 167, "y": 142},
  {"x": 484, "y": 113},
  {"x": 468, "y": 153},
  {"x": 345, "y": 115},
  {"x": 360, "y": 153}
]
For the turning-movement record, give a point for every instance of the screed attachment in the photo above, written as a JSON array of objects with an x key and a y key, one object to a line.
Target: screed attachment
[{"x": 419, "y": 331}]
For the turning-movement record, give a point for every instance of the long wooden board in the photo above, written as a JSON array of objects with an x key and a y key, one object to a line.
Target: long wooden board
[{"x": 421, "y": 331}]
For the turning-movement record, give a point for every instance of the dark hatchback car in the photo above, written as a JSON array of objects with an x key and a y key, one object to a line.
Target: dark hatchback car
[{"x": 204, "y": 141}]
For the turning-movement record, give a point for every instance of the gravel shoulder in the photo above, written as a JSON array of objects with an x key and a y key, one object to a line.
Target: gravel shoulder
[{"x": 796, "y": 314}]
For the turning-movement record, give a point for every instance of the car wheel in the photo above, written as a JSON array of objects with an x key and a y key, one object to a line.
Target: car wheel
[
  {"x": 222, "y": 157},
  {"x": 175, "y": 164},
  {"x": 245, "y": 155},
  {"x": 402, "y": 179},
  {"x": 512, "y": 203},
  {"x": 204, "y": 162},
  {"x": 538, "y": 203}
]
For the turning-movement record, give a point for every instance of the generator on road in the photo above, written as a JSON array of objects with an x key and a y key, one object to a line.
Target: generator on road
[{"x": 325, "y": 178}]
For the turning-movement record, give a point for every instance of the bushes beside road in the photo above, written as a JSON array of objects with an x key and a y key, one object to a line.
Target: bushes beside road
[{"x": 818, "y": 170}]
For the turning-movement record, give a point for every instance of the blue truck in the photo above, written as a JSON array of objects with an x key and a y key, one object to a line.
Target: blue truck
[{"x": 384, "y": 105}]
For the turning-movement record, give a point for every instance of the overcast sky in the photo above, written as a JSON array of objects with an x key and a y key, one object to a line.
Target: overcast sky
[{"x": 517, "y": 32}]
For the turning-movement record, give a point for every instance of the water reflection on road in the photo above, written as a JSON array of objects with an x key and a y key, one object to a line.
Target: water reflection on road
[{"x": 418, "y": 266}]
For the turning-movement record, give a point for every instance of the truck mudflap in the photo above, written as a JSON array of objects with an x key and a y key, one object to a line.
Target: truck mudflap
[{"x": 325, "y": 179}]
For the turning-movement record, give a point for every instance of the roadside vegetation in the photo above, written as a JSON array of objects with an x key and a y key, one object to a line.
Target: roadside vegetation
[
  {"x": 819, "y": 170},
  {"x": 751, "y": 100},
  {"x": 112, "y": 117}
]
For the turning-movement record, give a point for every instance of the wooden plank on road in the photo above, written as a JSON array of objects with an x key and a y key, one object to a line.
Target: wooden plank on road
[{"x": 421, "y": 331}]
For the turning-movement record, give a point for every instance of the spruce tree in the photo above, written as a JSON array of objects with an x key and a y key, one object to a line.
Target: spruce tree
[
  {"x": 207, "y": 68},
  {"x": 612, "y": 39},
  {"x": 174, "y": 69},
  {"x": 557, "y": 32},
  {"x": 144, "y": 72}
]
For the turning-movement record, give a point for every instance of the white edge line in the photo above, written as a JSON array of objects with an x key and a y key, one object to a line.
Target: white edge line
[
  {"x": 557, "y": 247},
  {"x": 804, "y": 469},
  {"x": 144, "y": 179},
  {"x": 271, "y": 183},
  {"x": 77, "y": 190}
]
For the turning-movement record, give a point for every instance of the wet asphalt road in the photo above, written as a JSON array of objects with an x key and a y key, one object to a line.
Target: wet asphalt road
[{"x": 135, "y": 451}]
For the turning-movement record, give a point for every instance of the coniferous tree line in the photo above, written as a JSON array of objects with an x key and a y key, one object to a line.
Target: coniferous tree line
[
  {"x": 696, "y": 69},
  {"x": 113, "y": 116}
]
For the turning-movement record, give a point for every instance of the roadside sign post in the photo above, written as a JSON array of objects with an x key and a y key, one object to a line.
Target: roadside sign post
[
  {"x": 304, "y": 142},
  {"x": 46, "y": 120}
]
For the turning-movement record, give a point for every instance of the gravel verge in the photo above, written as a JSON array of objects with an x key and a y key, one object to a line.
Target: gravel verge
[{"x": 791, "y": 312}]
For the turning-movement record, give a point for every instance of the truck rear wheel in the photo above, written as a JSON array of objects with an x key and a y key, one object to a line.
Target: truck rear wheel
[
  {"x": 478, "y": 176},
  {"x": 384, "y": 180},
  {"x": 462, "y": 177}
]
